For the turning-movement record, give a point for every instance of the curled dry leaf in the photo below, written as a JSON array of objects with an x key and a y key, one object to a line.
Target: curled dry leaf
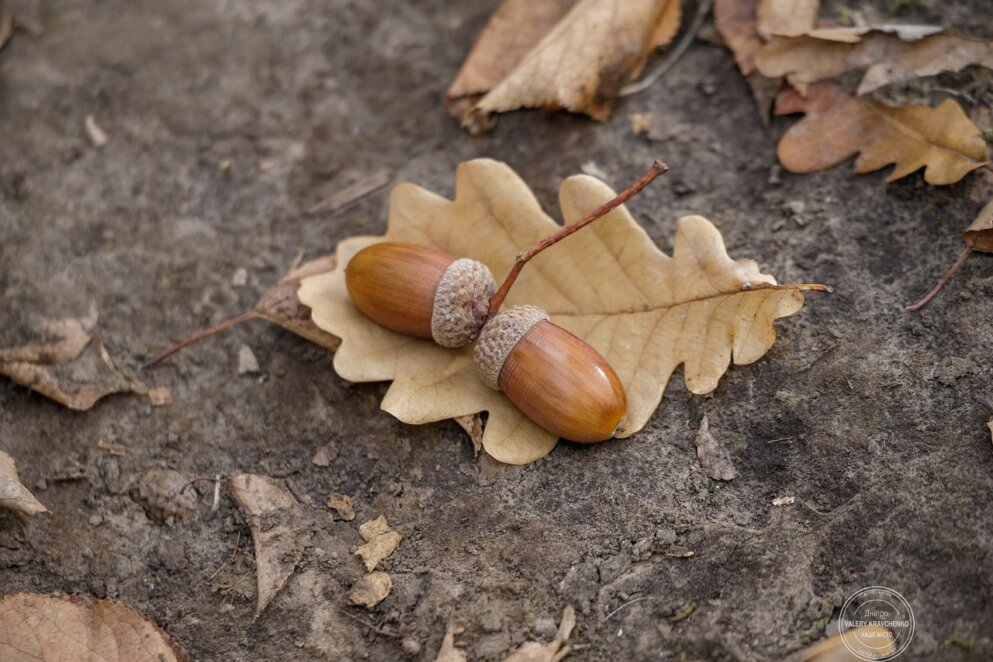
[
  {"x": 371, "y": 589},
  {"x": 714, "y": 458},
  {"x": 274, "y": 517},
  {"x": 51, "y": 628},
  {"x": 582, "y": 62},
  {"x": 281, "y": 306},
  {"x": 735, "y": 20},
  {"x": 13, "y": 495},
  {"x": 380, "y": 539},
  {"x": 69, "y": 365},
  {"x": 886, "y": 57},
  {"x": 554, "y": 650},
  {"x": 834, "y": 649},
  {"x": 645, "y": 312},
  {"x": 787, "y": 18},
  {"x": 341, "y": 504},
  {"x": 837, "y": 126}
]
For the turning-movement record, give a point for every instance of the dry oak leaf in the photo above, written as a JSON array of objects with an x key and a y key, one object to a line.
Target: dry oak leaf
[
  {"x": 69, "y": 365},
  {"x": 786, "y": 18},
  {"x": 645, "y": 312},
  {"x": 554, "y": 650},
  {"x": 873, "y": 638},
  {"x": 54, "y": 628},
  {"x": 371, "y": 589},
  {"x": 886, "y": 57},
  {"x": 837, "y": 126},
  {"x": 279, "y": 304},
  {"x": 274, "y": 517},
  {"x": 582, "y": 62},
  {"x": 735, "y": 20},
  {"x": 381, "y": 541},
  {"x": 13, "y": 495}
]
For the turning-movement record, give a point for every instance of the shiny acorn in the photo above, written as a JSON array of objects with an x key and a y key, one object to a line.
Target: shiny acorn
[
  {"x": 421, "y": 291},
  {"x": 558, "y": 380}
]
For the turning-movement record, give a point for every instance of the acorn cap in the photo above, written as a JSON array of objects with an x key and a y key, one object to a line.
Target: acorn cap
[
  {"x": 499, "y": 337},
  {"x": 461, "y": 303}
]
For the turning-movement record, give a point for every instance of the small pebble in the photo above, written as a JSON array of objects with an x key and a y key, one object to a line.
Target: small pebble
[
  {"x": 247, "y": 363},
  {"x": 96, "y": 520},
  {"x": 411, "y": 646},
  {"x": 240, "y": 278}
]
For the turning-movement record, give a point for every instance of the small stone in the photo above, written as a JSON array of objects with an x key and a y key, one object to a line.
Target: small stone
[
  {"x": 240, "y": 278},
  {"x": 326, "y": 455},
  {"x": 411, "y": 646},
  {"x": 160, "y": 396},
  {"x": 784, "y": 501},
  {"x": 225, "y": 608},
  {"x": 707, "y": 89},
  {"x": 491, "y": 621},
  {"x": 775, "y": 175},
  {"x": 371, "y": 589},
  {"x": 247, "y": 363},
  {"x": 41, "y": 485},
  {"x": 96, "y": 520},
  {"x": 164, "y": 496}
]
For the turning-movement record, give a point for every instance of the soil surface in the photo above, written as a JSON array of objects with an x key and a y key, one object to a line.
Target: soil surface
[{"x": 228, "y": 120}]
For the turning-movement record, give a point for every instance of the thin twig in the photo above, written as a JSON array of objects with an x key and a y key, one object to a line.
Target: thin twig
[
  {"x": 497, "y": 299},
  {"x": 952, "y": 270},
  {"x": 230, "y": 560},
  {"x": 626, "y": 604},
  {"x": 197, "y": 337},
  {"x": 702, "y": 9}
]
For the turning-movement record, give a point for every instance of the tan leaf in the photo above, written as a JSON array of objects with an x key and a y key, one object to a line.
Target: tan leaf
[
  {"x": 381, "y": 541},
  {"x": 66, "y": 364},
  {"x": 834, "y": 649},
  {"x": 979, "y": 234},
  {"x": 854, "y": 35},
  {"x": 886, "y": 57},
  {"x": 787, "y": 18},
  {"x": 512, "y": 31},
  {"x": 646, "y": 312},
  {"x": 837, "y": 126},
  {"x": 554, "y": 650},
  {"x": 50, "y": 628},
  {"x": 582, "y": 62},
  {"x": 274, "y": 517},
  {"x": 342, "y": 504},
  {"x": 449, "y": 652},
  {"x": 371, "y": 589},
  {"x": 714, "y": 458},
  {"x": 13, "y": 495},
  {"x": 280, "y": 305},
  {"x": 735, "y": 20}
]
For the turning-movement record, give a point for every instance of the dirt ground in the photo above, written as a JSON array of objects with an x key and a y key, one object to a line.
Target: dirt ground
[{"x": 229, "y": 119}]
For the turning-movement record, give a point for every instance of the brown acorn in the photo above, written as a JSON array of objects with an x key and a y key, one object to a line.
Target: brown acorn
[
  {"x": 421, "y": 291},
  {"x": 558, "y": 380}
]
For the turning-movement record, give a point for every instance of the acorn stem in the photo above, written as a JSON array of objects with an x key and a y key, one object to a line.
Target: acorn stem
[
  {"x": 496, "y": 300},
  {"x": 952, "y": 270},
  {"x": 197, "y": 337}
]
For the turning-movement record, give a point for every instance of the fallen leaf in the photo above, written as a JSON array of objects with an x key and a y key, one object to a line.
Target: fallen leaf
[
  {"x": 160, "y": 396},
  {"x": 646, "y": 312},
  {"x": 735, "y": 20},
  {"x": 381, "y": 541},
  {"x": 342, "y": 504},
  {"x": 70, "y": 365},
  {"x": 13, "y": 495},
  {"x": 582, "y": 62},
  {"x": 281, "y": 306},
  {"x": 50, "y": 628},
  {"x": 473, "y": 426},
  {"x": 886, "y": 57},
  {"x": 714, "y": 458},
  {"x": 449, "y": 652},
  {"x": 837, "y": 126},
  {"x": 274, "y": 517},
  {"x": 786, "y": 18},
  {"x": 371, "y": 589},
  {"x": 554, "y": 650},
  {"x": 512, "y": 31},
  {"x": 834, "y": 649}
]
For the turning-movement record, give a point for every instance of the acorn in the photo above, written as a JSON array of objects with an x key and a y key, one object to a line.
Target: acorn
[
  {"x": 557, "y": 379},
  {"x": 421, "y": 291}
]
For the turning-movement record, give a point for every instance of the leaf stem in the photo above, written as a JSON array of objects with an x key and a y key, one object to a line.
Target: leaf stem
[
  {"x": 952, "y": 270},
  {"x": 497, "y": 299},
  {"x": 197, "y": 337}
]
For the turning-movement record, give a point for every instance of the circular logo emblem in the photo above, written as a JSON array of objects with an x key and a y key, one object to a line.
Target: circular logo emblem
[{"x": 876, "y": 623}]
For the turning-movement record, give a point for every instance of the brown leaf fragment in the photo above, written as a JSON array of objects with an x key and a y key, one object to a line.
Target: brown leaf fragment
[
  {"x": 281, "y": 306},
  {"x": 449, "y": 652},
  {"x": 69, "y": 365},
  {"x": 13, "y": 495},
  {"x": 56, "y": 628},
  {"x": 837, "y": 126},
  {"x": 381, "y": 541},
  {"x": 160, "y": 396},
  {"x": 554, "y": 650},
  {"x": 371, "y": 589},
  {"x": 342, "y": 504},
  {"x": 834, "y": 649},
  {"x": 886, "y": 57},
  {"x": 512, "y": 31},
  {"x": 714, "y": 458},
  {"x": 473, "y": 426},
  {"x": 274, "y": 517},
  {"x": 735, "y": 20},
  {"x": 786, "y": 18},
  {"x": 582, "y": 62}
]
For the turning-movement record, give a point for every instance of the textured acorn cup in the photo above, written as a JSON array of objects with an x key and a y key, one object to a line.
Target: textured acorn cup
[
  {"x": 558, "y": 380},
  {"x": 421, "y": 291}
]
